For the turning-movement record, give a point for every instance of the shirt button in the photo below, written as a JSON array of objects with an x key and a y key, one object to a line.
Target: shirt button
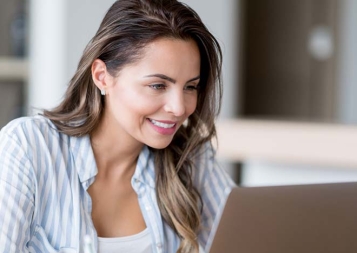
[
  {"x": 159, "y": 246},
  {"x": 148, "y": 208}
]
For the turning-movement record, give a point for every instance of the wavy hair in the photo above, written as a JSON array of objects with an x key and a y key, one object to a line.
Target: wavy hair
[{"x": 126, "y": 29}]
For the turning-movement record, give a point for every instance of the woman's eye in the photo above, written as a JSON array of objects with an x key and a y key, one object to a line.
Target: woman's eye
[
  {"x": 191, "y": 87},
  {"x": 158, "y": 86}
]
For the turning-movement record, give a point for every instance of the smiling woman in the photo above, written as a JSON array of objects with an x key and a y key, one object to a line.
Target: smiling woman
[
  {"x": 126, "y": 159},
  {"x": 161, "y": 81}
]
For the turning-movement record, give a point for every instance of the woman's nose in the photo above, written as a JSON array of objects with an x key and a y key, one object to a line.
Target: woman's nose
[{"x": 175, "y": 104}]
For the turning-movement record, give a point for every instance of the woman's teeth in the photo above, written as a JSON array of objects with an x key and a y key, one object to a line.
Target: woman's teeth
[{"x": 160, "y": 124}]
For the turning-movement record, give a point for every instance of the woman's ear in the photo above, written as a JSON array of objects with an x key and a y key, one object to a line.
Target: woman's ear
[{"x": 100, "y": 75}]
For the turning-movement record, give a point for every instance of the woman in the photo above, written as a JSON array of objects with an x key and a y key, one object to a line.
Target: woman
[{"x": 126, "y": 158}]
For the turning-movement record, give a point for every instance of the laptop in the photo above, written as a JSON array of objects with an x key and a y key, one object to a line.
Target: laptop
[{"x": 319, "y": 218}]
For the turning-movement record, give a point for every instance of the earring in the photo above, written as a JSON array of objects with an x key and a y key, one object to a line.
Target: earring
[{"x": 102, "y": 92}]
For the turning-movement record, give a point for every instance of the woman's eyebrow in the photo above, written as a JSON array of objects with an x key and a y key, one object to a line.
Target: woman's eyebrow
[
  {"x": 162, "y": 76},
  {"x": 194, "y": 79}
]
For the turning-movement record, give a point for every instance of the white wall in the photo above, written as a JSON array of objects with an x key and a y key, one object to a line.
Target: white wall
[
  {"x": 347, "y": 62},
  {"x": 83, "y": 20},
  {"x": 59, "y": 32},
  {"x": 47, "y": 54}
]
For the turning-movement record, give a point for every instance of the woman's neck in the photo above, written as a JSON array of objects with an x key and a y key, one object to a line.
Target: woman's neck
[{"x": 115, "y": 153}]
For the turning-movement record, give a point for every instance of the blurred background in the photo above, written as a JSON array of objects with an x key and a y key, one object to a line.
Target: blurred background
[{"x": 290, "y": 78}]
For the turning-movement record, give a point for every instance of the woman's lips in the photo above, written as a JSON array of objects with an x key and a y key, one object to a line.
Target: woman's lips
[{"x": 163, "y": 127}]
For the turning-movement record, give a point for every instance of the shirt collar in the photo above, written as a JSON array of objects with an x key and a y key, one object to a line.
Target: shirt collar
[
  {"x": 86, "y": 166},
  {"x": 83, "y": 157},
  {"x": 144, "y": 171}
]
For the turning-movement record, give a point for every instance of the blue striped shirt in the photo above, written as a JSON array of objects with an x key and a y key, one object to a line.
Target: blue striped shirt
[{"x": 44, "y": 203}]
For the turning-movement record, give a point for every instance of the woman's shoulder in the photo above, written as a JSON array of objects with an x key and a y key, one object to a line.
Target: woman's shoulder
[
  {"x": 27, "y": 125},
  {"x": 203, "y": 153},
  {"x": 31, "y": 132},
  {"x": 207, "y": 171}
]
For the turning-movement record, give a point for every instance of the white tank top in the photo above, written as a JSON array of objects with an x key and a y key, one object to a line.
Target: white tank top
[{"x": 138, "y": 243}]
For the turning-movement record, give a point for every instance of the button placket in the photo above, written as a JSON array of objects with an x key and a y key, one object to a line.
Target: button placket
[
  {"x": 159, "y": 247},
  {"x": 152, "y": 222}
]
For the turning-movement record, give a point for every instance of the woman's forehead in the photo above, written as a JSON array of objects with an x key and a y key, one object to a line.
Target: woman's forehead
[{"x": 169, "y": 55}]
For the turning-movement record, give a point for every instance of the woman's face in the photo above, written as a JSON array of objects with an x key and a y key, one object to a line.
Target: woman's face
[{"x": 148, "y": 101}]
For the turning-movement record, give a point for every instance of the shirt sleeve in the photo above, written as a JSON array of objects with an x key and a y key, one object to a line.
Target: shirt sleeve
[
  {"x": 16, "y": 194},
  {"x": 214, "y": 184}
]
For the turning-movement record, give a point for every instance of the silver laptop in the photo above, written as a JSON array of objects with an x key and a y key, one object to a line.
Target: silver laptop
[{"x": 319, "y": 218}]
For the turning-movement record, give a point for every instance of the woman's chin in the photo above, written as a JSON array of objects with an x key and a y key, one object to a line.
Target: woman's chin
[{"x": 159, "y": 144}]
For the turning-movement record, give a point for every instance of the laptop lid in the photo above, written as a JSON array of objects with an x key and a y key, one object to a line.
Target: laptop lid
[{"x": 289, "y": 219}]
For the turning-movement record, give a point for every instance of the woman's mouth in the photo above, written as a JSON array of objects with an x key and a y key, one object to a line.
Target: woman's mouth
[
  {"x": 163, "y": 127},
  {"x": 162, "y": 124}
]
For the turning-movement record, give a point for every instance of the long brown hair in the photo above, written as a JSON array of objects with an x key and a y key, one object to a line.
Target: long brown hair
[{"x": 125, "y": 30}]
